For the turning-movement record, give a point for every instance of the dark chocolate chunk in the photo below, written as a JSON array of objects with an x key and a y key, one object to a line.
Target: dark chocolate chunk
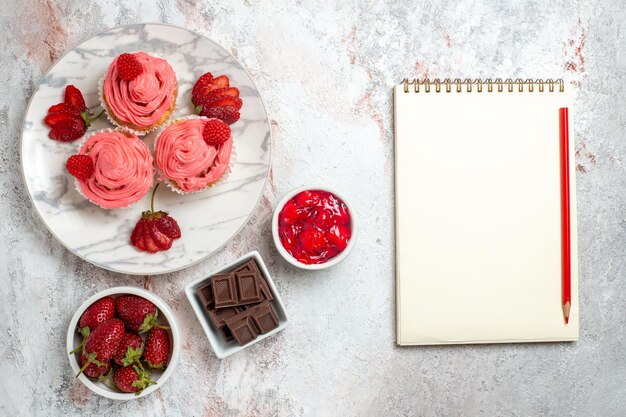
[
  {"x": 205, "y": 294},
  {"x": 264, "y": 318},
  {"x": 243, "y": 330},
  {"x": 248, "y": 287},
  {"x": 218, "y": 316},
  {"x": 224, "y": 291}
]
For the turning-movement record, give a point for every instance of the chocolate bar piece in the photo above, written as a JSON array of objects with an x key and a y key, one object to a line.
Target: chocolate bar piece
[
  {"x": 224, "y": 291},
  {"x": 264, "y": 318},
  {"x": 243, "y": 330},
  {"x": 205, "y": 293},
  {"x": 218, "y": 316},
  {"x": 248, "y": 287}
]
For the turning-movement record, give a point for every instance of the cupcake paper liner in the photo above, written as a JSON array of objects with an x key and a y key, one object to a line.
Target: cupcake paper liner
[
  {"x": 77, "y": 183},
  {"x": 170, "y": 183},
  {"x": 111, "y": 117}
]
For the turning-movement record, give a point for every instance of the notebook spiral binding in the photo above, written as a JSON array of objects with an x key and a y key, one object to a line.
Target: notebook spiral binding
[{"x": 458, "y": 84}]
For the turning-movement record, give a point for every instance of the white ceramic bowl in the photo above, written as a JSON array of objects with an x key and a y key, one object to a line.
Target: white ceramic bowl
[
  {"x": 165, "y": 317},
  {"x": 221, "y": 347},
  {"x": 281, "y": 249}
]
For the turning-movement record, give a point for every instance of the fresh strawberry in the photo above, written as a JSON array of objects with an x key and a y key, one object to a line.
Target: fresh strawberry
[
  {"x": 74, "y": 98},
  {"x": 157, "y": 351},
  {"x": 102, "y": 344},
  {"x": 80, "y": 166},
  {"x": 215, "y": 132},
  {"x": 99, "y": 312},
  {"x": 130, "y": 350},
  {"x": 132, "y": 379},
  {"x": 228, "y": 114},
  {"x": 137, "y": 313},
  {"x": 155, "y": 231},
  {"x": 93, "y": 370},
  {"x": 213, "y": 97},
  {"x": 128, "y": 67},
  {"x": 71, "y": 119}
]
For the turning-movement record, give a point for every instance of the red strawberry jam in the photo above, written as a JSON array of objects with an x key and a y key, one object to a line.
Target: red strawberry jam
[{"x": 314, "y": 226}]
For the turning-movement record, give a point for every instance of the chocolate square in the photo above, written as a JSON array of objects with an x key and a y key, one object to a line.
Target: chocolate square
[
  {"x": 266, "y": 293},
  {"x": 224, "y": 291},
  {"x": 248, "y": 287},
  {"x": 243, "y": 330},
  {"x": 205, "y": 293},
  {"x": 264, "y": 318},
  {"x": 219, "y": 316}
]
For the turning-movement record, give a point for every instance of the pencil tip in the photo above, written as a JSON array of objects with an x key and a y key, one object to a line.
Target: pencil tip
[{"x": 566, "y": 308}]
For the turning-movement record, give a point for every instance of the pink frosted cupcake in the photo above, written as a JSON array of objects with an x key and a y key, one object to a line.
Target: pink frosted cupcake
[
  {"x": 116, "y": 169},
  {"x": 139, "y": 92},
  {"x": 193, "y": 153}
]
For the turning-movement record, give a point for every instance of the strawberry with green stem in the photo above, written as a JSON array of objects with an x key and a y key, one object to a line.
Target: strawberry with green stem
[
  {"x": 155, "y": 231},
  {"x": 138, "y": 314},
  {"x": 70, "y": 119},
  {"x": 100, "y": 347}
]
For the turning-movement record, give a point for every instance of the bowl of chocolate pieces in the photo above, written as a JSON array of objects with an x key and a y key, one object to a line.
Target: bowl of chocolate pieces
[{"x": 237, "y": 305}]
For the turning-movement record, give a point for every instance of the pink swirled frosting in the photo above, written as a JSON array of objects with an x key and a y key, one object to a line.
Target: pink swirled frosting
[
  {"x": 185, "y": 158},
  {"x": 123, "y": 169},
  {"x": 143, "y": 101}
]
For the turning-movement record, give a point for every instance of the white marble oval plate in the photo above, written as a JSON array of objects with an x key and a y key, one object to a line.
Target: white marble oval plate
[{"x": 208, "y": 219}]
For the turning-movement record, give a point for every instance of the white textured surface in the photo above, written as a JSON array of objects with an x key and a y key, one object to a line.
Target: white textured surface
[{"x": 326, "y": 74}]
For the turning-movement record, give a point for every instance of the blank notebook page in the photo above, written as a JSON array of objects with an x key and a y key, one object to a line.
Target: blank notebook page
[{"x": 478, "y": 217}]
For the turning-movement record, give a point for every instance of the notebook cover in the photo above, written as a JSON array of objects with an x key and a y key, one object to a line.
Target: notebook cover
[{"x": 478, "y": 237}]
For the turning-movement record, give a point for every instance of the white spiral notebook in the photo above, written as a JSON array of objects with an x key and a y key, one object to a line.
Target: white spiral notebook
[{"x": 478, "y": 212}]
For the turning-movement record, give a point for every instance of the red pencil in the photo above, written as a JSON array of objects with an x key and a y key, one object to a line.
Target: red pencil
[{"x": 566, "y": 272}]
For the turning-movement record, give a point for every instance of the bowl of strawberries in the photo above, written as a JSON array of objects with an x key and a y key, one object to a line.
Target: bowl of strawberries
[{"x": 123, "y": 343}]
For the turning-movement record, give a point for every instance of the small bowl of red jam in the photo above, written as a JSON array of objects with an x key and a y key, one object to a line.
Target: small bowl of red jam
[{"x": 313, "y": 227}]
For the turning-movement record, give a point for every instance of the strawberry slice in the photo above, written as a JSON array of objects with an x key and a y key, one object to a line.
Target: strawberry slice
[
  {"x": 73, "y": 129},
  {"x": 213, "y": 84},
  {"x": 140, "y": 235},
  {"x": 64, "y": 108},
  {"x": 151, "y": 245},
  {"x": 59, "y": 118},
  {"x": 199, "y": 86},
  {"x": 227, "y": 114},
  {"x": 160, "y": 238},
  {"x": 74, "y": 98},
  {"x": 221, "y": 101},
  {"x": 230, "y": 91}
]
